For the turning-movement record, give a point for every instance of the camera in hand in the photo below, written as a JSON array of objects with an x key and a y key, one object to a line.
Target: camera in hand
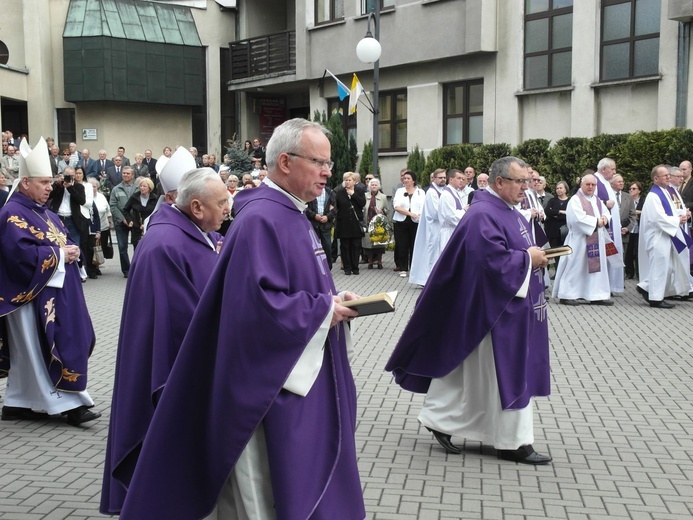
[{"x": 67, "y": 178}]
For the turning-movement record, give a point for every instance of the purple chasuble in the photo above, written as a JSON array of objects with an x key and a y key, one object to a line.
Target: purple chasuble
[
  {"x": 171, "y": 266},
  {"x": 31, "y": 236},
  {"x": 475, "y": 280},
  {"x": 267, "y": 296}
]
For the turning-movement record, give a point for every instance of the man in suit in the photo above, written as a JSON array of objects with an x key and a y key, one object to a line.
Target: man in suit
[
  {"x": 321, "y": 212},
  {"x": 9, "y": 164},
  {"x": 102, "y": 165},
  {"x": 121, "y": 154},
  {"x": 151, "y": 165},
  {"x": 113, "y": 174},
  {"x": 54, "y": 159},
  {"x": 626, "y": 209},
  {"x": 88, "y": 165}
]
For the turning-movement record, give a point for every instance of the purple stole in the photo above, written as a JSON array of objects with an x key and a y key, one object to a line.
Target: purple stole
[
  {"x": 593, "y": 264},
  {"x": 678, "y": 243},
  {"x": 458, "y": 203}
]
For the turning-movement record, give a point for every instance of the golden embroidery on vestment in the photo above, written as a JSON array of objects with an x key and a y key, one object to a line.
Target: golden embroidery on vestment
[
  {"x": 18, "y": 221},
  {"x": 50, "y": 311},
  {"x": 71, "y": 376},
  {"x": 55, "y": 235},
  {"x": 37, "y": 233},
  {"x": 24, "y": 297},
  {"x": 48, "y": 264}
]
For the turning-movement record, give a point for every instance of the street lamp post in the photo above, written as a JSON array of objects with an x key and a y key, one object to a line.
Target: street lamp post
[{"x": 368, "y": 51}]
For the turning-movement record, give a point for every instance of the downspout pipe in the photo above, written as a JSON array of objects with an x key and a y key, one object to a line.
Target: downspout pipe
[{"x": 682, "y": 72}]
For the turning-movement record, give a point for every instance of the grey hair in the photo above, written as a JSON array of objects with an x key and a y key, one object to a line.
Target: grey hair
[
  {"x": 374, "y": 180},
  {"x": 287, "y": 138},
  {"x": 605, "y": 162},
  {"x": 565, "y": 185},
  {"x": 194, "y": 183},
  {"x": 501, "y": 167},
  {"x": 93, "y": 182}
]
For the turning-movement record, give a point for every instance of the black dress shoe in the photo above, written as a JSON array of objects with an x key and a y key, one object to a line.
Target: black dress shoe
[
  {"x": 15, "y": 413},
  {"x": 606, "y": 303},
  {"x": 81, "y": 415},
  {"x": 524, "y": 455},
  {"x": 568, "y": 302},
  {"x": 445, "y": 441},
  {"x": 643, "y": 292},
  {"x": 661, "y": 304},
  {"x": 346, "y": 272}
]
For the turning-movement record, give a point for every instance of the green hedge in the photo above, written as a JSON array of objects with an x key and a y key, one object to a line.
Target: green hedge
[{"x": 635, "y": 154}]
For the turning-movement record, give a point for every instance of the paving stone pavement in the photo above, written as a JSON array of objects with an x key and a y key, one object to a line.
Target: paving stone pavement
[{"x": 618, "y": 424}]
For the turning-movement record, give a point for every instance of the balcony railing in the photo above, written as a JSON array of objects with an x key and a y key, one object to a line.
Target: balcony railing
[{"x": 270, "y": 54}]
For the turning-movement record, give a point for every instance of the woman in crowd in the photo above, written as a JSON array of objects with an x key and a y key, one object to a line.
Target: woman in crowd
[
  {"x": 248, "y": 147},
  {"x": 408, "y": 203},
  {"x": 139, "y": 207},
  {"x": 64, "y": 162},
  {"x": 103, "y": 208},
  {"x": 349, "y": 203},
  {"x": 555, "y": 223},
  {"x": 376, "y": 204},
  {"x": 139, "y": 169},
  {"x": 3, "y": 182},
  {"x": 635, "y": 191}
]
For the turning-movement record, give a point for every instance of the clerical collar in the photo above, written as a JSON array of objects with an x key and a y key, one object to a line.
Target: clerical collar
[
  {"x": 300, "y": 205},
  {"x": 511, "y": 206}
]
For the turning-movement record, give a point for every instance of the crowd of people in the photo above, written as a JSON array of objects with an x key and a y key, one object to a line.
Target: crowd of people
[{"x": 268, "y": 428}]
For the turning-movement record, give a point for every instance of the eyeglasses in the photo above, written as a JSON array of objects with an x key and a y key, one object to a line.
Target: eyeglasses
[
  {"x": 320, "y": 163},
  {"x": 521, "y": 182}
]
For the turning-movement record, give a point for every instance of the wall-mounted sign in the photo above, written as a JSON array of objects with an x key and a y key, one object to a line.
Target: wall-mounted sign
[{"x": 89, "y": 134}]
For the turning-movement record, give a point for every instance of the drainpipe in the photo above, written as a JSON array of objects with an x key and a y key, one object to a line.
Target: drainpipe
[{"x": 682, "y": 71}]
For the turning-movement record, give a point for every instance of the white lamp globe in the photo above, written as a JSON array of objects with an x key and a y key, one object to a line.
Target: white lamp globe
[{"x": 368, "y": 50}]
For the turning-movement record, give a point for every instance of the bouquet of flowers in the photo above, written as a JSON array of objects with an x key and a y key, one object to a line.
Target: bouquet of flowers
[{"x": 380, "y": 230}]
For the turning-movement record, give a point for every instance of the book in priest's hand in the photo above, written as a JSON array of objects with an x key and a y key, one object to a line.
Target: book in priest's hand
[
  {"x": 374, "y": 304},
  {"x": 553, "y": 252}
]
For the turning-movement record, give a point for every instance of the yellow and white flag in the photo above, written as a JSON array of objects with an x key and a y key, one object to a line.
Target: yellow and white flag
[{"x": 354, "y": 94}]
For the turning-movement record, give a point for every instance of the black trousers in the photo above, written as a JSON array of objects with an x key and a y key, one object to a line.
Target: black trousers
[
  {"x": 350, "y": 249},
  {"x": 405, "y": 235}
]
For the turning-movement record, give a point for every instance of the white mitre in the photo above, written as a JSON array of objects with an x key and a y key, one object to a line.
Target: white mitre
[
  {"x": 180, "y": 163},
  {"x": 32, "y": 163}
]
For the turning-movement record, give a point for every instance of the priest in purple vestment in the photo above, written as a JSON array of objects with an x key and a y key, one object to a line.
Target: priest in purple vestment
[
  {"x": 170, "y": 269},
  {"x": 481, "y": 368},
  {"x": 46, "y": 335},
  {"x": 258, "y": 421}
]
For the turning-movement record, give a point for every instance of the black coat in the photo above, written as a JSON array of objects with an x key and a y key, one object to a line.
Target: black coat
[
  {"x": 77, "y": 199},
  {"x": 349, "y": 212},
  {"x": 135, "y": 212},
  {"x": 554, "y": 219}
]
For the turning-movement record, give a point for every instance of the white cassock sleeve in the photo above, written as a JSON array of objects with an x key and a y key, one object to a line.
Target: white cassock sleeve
[
  {"x": 58, "y": 278},
  {"x": 306, "y": 370},
  {"x": 524, "y": 288}
]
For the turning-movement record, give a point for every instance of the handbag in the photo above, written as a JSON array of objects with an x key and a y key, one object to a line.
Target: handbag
[
  {"x": 107, "y": 245},
  {"x": 98, "y": 254},
  {"x": 362, "y": 226}
]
